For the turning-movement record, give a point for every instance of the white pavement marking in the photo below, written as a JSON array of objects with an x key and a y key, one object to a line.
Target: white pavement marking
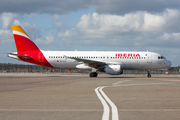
[
  {"x": 105, "y": 115},
  {"x": 119, "y": 82},
  {"x": 114, "y": 109},
  {"x": 149, "y": 110},
  {"x": 104, "y": 102},
  {"x": 141, "y": 84},
  {"x": 90, "y": 110},
  {"x": 51, "y": 110}
]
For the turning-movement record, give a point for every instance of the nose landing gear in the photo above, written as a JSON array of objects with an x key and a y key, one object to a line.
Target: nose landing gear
[{"x": 148, "y": 74}]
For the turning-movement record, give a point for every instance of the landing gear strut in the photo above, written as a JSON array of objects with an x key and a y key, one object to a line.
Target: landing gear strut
[
  {"x": 148, "y": 74},
  {"x": 93, "y": 74}
]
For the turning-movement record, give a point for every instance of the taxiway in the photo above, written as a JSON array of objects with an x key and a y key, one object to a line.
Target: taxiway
[{"x": 78, "y": 97}]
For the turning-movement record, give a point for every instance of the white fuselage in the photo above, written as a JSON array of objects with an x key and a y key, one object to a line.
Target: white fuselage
[{"x": 128, "y": 60}]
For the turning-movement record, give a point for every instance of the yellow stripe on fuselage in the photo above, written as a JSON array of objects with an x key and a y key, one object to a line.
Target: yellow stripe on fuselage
[{"x": 18, "y": 28}]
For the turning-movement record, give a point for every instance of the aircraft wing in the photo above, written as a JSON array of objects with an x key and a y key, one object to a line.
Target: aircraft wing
[{"x": 91, "y": 63}]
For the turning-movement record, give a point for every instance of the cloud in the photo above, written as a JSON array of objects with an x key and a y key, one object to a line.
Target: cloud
[
  {"x": 6, "y": 37},
  {"x": 122, "y": 7},
  {"x": 35, "y": 34},
  {"x": 49, "y": 38},
  {"x": 7, "y": 18},
  {"x": 30, "y": 29},
  {"x": 131, "y": 22},
  {"x": 135, "y": 30},
  {"x": 45, "y": 6},
  {"x": 101, "y": 6},
  {"x": 57, "y": 24}
]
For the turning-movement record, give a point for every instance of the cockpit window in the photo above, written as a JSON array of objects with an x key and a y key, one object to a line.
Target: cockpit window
[{"x": 161, "y": 57}]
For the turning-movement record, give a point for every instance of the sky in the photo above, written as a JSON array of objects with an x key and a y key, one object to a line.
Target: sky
[{"x": 93, "y": 25}]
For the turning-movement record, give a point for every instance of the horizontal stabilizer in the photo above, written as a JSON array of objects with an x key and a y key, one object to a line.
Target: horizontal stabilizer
[{"x": 16, "y": 56}]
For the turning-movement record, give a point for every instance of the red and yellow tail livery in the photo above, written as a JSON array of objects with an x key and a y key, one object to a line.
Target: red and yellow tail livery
[{"x": 26, "y": 49}]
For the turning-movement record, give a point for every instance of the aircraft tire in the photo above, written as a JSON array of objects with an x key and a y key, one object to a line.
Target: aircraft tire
[
  {"x": 93, "y": 74},
  {"x": 149, "y": 75}
]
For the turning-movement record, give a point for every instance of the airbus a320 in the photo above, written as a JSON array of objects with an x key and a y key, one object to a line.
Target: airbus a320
[{"x": 110, "y": 62}]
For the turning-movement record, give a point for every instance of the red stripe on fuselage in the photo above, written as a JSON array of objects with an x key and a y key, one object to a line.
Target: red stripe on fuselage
[{"x": 26, "y": 47}]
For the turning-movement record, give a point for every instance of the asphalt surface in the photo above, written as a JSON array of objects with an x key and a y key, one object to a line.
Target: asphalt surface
[{"x": 78, "y": 97}]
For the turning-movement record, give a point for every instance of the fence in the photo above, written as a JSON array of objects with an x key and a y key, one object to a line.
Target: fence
[{"x": 10, "y": 68}]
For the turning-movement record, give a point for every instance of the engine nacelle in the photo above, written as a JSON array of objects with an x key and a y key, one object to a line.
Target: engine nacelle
[
  {"x": 113, "y": 69},
  {"x": 83, "y": 66}
]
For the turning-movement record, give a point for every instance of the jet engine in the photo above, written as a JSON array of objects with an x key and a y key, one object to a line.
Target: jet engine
[{"x": 113, "y": 69}]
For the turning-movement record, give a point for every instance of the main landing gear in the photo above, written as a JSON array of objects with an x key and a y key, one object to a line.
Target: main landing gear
[
  {"x": 148, "y": 74},
  {"x": 93, "y": 74}
]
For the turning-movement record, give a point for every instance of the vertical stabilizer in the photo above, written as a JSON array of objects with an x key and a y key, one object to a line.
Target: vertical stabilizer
[
  {"x": 26, "y": 49},
  {"x": 22, "y": 40}
]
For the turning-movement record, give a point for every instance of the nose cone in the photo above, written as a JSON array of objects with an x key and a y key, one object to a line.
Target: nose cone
[{"x": 168, "y": 63}]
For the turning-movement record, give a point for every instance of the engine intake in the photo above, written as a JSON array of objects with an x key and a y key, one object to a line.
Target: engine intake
[{"x": 113, "y": 69}]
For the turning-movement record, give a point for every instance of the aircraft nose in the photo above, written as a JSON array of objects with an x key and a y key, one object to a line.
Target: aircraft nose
[{"x": 168, "y": 63}]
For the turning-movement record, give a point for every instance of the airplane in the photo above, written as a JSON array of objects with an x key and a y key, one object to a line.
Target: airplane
[{"x": 110, "y": 62}]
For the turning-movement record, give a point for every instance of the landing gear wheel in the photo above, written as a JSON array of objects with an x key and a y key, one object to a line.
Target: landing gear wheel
[
  {"x": 149, "y": 75},
  {"x": 93, "y": 74}
]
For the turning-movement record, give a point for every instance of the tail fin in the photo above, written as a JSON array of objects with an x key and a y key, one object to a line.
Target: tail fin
[
  {"x": 22, "y": 40},
  {"x": 27, "y": 51}
]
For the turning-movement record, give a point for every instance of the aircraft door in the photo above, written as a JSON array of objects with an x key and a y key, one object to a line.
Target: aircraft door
[
  {"x": 40, "y": 57},
  {"x": 149, "y": 58}
]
